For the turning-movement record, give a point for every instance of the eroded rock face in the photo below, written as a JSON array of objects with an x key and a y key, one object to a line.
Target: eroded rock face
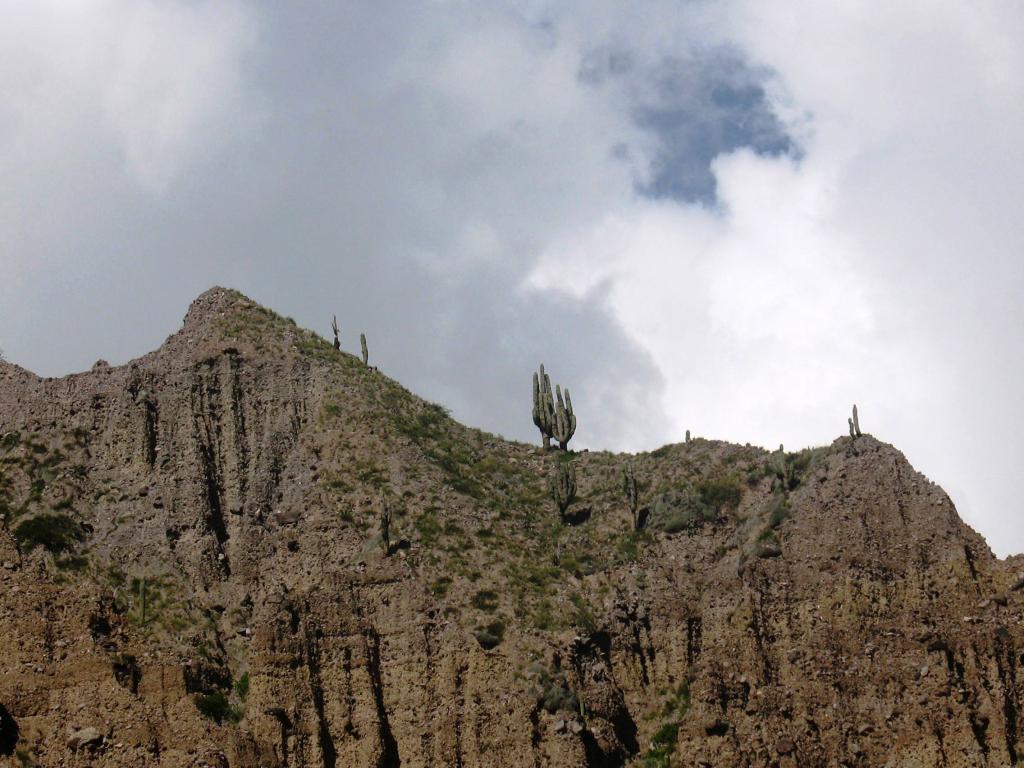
[{"x": 202, "y": 584}]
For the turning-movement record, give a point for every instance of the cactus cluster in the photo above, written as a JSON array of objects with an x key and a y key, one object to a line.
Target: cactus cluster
[
  {"x": 552, "y": 414},
  {"x": 337, "y": 340},
  {"x": 563, "y": 486},
  {"x": 854, "y": 423}
]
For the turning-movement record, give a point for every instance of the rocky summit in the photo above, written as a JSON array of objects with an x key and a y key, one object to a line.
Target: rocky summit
[{"x": 249, "y": 548}]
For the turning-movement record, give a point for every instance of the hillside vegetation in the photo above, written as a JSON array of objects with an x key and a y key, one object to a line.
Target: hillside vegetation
[{"x": 251, "y": 548}]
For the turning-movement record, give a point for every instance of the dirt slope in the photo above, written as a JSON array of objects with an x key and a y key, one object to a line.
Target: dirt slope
[{"x": 191, "y": 573}]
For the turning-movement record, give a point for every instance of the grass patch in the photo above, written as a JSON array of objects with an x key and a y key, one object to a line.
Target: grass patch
[
  {"x": 440, "y": 587},
  {"x": 663, "y": 744},
  {"x": 689, "y": 507},
  {"x": 800, "y": 464},
  {"x": 582, "y": 615},
  {"x": 628, "y": 545},
  {"x": 242, "y": 686},
  {"x": 485, "y": 600}
]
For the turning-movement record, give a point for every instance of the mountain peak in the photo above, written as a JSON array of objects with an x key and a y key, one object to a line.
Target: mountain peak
[
  {"x": 213, "y": 303},
  {"x": 324, "y": 553}
]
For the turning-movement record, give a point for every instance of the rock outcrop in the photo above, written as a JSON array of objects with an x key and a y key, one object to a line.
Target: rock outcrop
[{"x": 189, "y": 576}]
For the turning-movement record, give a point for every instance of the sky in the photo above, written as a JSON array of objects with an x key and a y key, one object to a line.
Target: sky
[{"x": 733, "y": 217}]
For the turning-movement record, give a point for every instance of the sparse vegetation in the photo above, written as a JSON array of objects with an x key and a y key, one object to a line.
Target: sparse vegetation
[
  {"x": 689, "y": 507},
  {"x": 54, "y": 532},
  {"x": 491, "y": 635},
  {"x": 217, "y": 707},
  {"x": 552, "y": 690},
  {"x": 485, "y": 600},
  {"x": 663, "y": 744},
  {"x": 242, "y": 686},
  {"x": 562, "y": 485},
  {"x": 488, "y": 560}
]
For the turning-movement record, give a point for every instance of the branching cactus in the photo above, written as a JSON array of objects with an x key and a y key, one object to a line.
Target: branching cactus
[
  {"x": 563, "y": 486},
  {"x": 362, "y": 345},
  {"x": 334, "y": 327},
  {"x": 854, "y": 423},
  {"x": 543, "y": 406},
  {"x": 565, "y": 419},
  {"x": 631, "y": 490},
  {"x": 552, "y": 414},
  {"x": 385, "y": 523}
]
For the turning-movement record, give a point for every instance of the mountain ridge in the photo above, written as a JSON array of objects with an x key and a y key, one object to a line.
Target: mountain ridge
[{"x": 211, "y": 513}]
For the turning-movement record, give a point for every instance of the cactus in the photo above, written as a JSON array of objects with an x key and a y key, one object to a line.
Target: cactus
[
  {"x": 362, "y": 344},
  {"x": 854, "y": 423},
  {"x": 334, "y": 327},
  {"x": 543, "y": 406},
  {"x": 563, "y": 486},
  {"x": 552, "y": 414},
  {"x": 385, "y": 523},
  {"x": 629, "y": 486},
  {"x": 778, "y": 463},
  {"x": 565, "y": 419},
  {"x": 687, "y": 435}
]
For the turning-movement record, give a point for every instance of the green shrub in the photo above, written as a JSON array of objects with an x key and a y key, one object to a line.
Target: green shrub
[
  {"x": 663, "y": 744},
  {"x": 553, "y": 691},
  {"x": 798, "y": 465},
  {"x": 688, "y": 508},
  {"x": 217, "y": 707},
  {"x": 56, "y": 533},
  {"x": 490, "y": 636},
  {"x": 778, "y": 510},
  {"x": 242, "y": 686},
  {"x": 679, "y": 510},
  {"x": 720, "y": 493}
]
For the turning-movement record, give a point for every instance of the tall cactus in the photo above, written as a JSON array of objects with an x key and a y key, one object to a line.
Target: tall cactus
[
  {"x": 334, "y": 327},
  {"x": 854, "y": 423},
  {"x": 629, "y": 487},
  {"x": 565, "y": 419},
  {"x": 362, "y": 345},
  {"x": 563, "y": 486},
  {"x": 552, "y": 414},
  {"x": 543, "y": 406}
]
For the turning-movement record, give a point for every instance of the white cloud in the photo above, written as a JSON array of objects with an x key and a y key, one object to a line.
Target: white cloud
[
  {"x": 884, "y": 267},
  {"x": 164, "y": 79}
]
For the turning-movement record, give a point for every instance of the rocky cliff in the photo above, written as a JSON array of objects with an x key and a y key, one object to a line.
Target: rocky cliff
[{"x": 193, "y": 574}]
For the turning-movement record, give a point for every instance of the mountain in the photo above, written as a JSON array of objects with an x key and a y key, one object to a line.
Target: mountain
[{"x": 193, "y": 573}]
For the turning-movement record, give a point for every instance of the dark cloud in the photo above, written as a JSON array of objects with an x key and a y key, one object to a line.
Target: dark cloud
[
  {"x": 697, "y": 108},
  {"x": 378, "y": 182}
]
